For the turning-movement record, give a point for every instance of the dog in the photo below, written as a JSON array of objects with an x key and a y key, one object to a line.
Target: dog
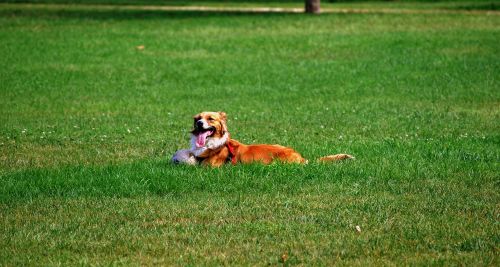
[{"x": 211, "y": 145}]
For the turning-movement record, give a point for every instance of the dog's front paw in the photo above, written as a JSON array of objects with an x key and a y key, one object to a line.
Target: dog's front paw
[{"x": 184, "y": 156}]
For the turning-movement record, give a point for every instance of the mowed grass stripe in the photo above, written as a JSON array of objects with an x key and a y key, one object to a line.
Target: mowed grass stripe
[{"x": 389, "y": 160}]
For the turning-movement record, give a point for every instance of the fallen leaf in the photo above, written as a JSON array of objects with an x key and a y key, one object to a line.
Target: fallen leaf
[{"x": 284, "y": 257}]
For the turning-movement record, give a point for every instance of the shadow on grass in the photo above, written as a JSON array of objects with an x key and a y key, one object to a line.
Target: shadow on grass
[
  {"x": 479, "y": 6},
  {"x": 121, "y": 14},
  {"x": 152, "y": 2}
]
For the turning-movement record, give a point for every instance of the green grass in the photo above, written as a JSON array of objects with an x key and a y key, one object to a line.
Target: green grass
[{"x": 88, "y": 124}]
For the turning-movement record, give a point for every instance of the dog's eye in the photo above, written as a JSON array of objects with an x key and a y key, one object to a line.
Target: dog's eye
[{"x": 211, "y": 119}]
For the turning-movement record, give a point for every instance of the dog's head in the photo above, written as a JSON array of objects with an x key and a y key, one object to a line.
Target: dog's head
[{"x": 209, "y": 124}]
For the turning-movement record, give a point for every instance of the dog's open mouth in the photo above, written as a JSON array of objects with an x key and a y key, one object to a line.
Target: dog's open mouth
[{"x": 201, "y": 137}]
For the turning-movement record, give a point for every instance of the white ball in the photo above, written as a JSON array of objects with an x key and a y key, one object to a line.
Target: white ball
[{"x": 184, "y": 156}]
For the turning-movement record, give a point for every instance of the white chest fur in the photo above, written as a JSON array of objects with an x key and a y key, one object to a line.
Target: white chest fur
[{"x": 211, "y": 144}]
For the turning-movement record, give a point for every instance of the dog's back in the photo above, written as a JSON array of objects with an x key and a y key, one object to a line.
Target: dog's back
[{"x": 265, "y": 153}]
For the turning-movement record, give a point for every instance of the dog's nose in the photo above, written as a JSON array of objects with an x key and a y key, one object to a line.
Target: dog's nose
[{"x": 199, "y": 124}]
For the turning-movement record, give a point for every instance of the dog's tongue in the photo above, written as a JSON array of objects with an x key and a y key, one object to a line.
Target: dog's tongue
[{"x": 202, "y": 138}]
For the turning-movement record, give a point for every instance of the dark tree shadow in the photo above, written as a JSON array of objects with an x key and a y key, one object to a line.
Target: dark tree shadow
[
  {"x": 151, "y": 2},
  {"x": 130, "y": 14},
  {"x": 479, "y": 6},
  {"x": 111, "y": 13}
]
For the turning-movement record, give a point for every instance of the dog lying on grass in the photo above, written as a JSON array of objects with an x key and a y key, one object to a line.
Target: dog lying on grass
[{"x": 212, "y": 145}]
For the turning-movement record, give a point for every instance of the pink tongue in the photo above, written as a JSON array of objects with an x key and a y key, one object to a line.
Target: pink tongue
[{"x": 202, "y": 138}]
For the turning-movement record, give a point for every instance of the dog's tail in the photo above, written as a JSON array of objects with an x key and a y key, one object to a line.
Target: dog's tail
[{"x": 336, "y": 157}]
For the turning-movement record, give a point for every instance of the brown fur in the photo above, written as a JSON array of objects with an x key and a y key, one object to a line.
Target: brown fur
[
  {"x": 215, "y": 119},
  {"x": 261, "y": 153}
]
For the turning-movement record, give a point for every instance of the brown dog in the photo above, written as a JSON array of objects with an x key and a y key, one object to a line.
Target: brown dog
[{"x": 211, "y": 145}]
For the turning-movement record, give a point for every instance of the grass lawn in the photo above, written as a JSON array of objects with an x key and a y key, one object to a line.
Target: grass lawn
[{"x": 88, "y": 123}]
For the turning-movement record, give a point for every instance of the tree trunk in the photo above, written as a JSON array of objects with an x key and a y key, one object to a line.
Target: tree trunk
[{"x": 312, "y": 6}]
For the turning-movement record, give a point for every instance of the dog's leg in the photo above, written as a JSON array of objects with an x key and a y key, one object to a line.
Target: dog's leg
[{"x": 184, "y": 156}]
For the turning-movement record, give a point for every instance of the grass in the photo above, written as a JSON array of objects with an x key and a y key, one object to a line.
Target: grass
[
  {"x": 88, "y": 123},
  {"x": 375, "y": 5}
]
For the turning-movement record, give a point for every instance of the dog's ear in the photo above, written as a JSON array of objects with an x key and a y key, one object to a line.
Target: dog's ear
[
  {"x": 223, "y": 122},
  {"x": 222, "y": 115}
]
